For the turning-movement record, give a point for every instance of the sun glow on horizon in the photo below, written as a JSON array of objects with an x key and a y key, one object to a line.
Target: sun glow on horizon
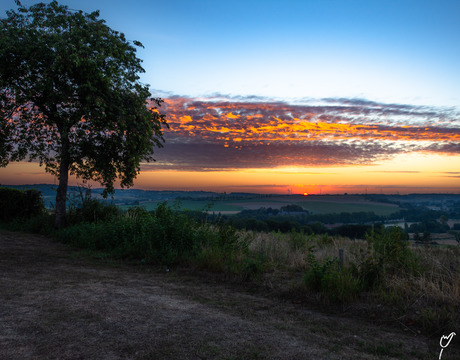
[
  {"x": 405, "y": 174},
  {"x": 337, "y": 146}
]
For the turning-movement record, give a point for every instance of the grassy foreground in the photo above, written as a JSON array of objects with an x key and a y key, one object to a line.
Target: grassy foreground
[
  {"x": 382, "y": 276},
  {"x": 61, "y": 303}
]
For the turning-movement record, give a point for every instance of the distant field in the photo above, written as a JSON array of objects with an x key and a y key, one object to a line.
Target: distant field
[
  {"x": 216, "y": 206},
  {"x": 314, "y": 204},
  {"x": 339, "y": 207}
]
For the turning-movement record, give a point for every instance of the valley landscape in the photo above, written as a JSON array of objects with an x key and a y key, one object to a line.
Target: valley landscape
[{"x": 229, "y": 180}]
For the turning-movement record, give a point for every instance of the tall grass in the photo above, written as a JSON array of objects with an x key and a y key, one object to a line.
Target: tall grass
[
  {"x": 383, "y": 269},
  {"x": 164, "y": 236},
  {"x": 420, "y": 282}
]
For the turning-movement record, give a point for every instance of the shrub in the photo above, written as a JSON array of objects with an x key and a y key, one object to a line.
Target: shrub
[
  {"x": 253, "y": 266},
  {"x": 388, "y": 253},
  {"x": 337, "y": 283},
  {"x": 392, "y": 250},
  {"x": 39, "y": 224},
  {"x": 212, "y": 258},
  {"x": 92, "y": 210},
  {"x": 340, "y": 285},
  {"x": 298, "y": 240},
  {"x": 20, "y": 204},
  {"x": 164, "y": 236},
  {"x": 316, "y": 273},
  {"x": 369, "y": 272},
  {"x": 145, "y": 238},
  {"x": 324, "y": 240},
  {"x": 226, "y": 247}
]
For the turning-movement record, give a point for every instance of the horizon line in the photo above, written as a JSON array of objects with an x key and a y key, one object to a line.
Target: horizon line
[{"x": 398, "y": 193}]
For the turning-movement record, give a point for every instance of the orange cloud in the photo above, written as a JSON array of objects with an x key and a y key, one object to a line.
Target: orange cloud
[
  {"x": 231, "y": 116},
  {"x": 271, "y": 134}
]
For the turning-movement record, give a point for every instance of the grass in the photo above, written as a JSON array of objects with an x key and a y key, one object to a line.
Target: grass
[
  {"x": 383, "y": 271},
  {"x": 315, "y": 207},
  {"x": 319, "y": 207},
  {"x": 193, "y": 205},
  {"x": 385, "y": 275}
]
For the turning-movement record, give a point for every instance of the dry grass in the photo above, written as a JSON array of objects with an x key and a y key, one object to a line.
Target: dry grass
[
  {"x": 432, "y": 294},
  {"x": 55, "y": 305},
  {"x": 277, "y": 250},
  {"x": 289, "y": 250},
  {"x": 440, "y": 279}
]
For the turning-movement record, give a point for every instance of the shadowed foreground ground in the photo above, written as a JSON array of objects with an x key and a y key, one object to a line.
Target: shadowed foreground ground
[{"x": 56, "y": 305}]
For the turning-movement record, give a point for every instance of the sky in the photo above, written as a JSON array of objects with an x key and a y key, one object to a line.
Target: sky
[{"x": 316, "y": 96}]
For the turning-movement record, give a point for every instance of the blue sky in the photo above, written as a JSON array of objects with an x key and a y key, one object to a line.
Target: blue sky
[
  {"x": 399, "y": 51},
  {"x": 295, "y": 96}
]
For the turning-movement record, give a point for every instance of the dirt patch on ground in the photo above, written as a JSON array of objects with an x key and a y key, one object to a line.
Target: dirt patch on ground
[{"x": 57, "y": 305}]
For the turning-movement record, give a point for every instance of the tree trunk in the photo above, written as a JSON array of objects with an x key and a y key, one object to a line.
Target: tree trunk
[{"x": 61, "y": 195}]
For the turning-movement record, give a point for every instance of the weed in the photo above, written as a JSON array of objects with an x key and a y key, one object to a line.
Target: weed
[
  {"x": 297, "y": 240},
  {"x": 84, "y": 208},
  {"x": 392, "y": 251},
  {"x": 383, "y": 348},
  {"x": 331, "y": 279},
  {"x": 40, "y": 224},
  {"x": 437, "y": 318},
  {"x": 253, "y": 266},
  {"x": 324, "y": 240}
]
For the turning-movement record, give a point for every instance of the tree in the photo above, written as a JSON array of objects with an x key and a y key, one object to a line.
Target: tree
[{"x": 71, "y": 98}]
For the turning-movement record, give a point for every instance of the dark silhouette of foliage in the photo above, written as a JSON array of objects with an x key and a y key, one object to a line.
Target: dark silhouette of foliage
[
  {"x": 70, "y": 97},
  {"x": 20, "y": 204}
]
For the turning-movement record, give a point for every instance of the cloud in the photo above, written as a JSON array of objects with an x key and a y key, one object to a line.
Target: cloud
[
  {"x": 452, "y": 174},
  {"x": 222, "y": 133},
  {"x": 396, "y": 172}
]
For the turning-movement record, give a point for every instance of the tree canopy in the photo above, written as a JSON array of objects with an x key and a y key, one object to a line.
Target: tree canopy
[{"x": 71, "y": 97}]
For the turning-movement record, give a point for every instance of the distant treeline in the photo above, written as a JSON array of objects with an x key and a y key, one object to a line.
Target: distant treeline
[{"x": 354, "y": 225}]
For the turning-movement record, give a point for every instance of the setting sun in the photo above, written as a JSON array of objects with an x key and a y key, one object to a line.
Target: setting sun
[{"x": 319, "y": 118}]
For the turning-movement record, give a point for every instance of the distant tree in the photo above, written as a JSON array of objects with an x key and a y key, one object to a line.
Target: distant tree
[
  {"x": 292, "y": 208},
  {"x": 457, "y": 237},
  {"x": 444, "y": 219},
  {"x": 70, "y": 97},
  {"x": 426, "y": 237},
  {"x": 354, "y": 231}
]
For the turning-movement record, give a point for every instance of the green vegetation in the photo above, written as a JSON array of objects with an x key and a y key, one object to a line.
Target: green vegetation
[
  {"x": 380, "y": 270},
  {"x": 323, "y": 207},
  {"x": 193, "y": 205},
  {"x": 387, "y": 254},
  {"x": 164, "y": 237},
  {"x": 73, "y": 84},
  {"x": 20, "y": 204},
  {"x": 277, "y": 203}
]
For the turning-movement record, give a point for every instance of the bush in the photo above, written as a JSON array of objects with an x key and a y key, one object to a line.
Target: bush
[
  {"x": 20, "y": 204},
  {"x": 331, "y": 279},
  {"x": 352, "y": 231},
  {"x": 92, "y": 210},
  {"x": 315, "y": 275},
  {"x": 145, "y": 238},
  {"x": 392, "y": 250},
  {"x": 40, "y": 224},
  {"x": 298, "y": 240},
  {"x": 221, "y": 247},
  {"x": 369, "y": 272},
  {"x": 388, "y": 253},
  {"x": 164, "y": 236}
]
